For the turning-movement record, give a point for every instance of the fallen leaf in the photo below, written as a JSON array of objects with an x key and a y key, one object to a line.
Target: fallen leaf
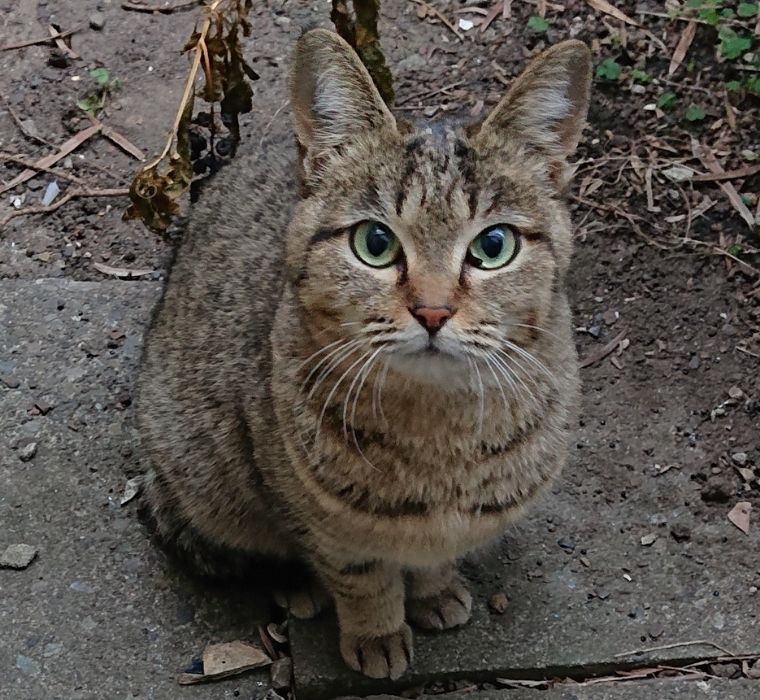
[
  {"x": 683, "y": 46},
  {"x": 226, "y": 659},
  {"x": 739, "y": 515},
  {"x": 131, "y": 489},
  {"x": 678, "y": 173},
  {"x": 120, "y": 271},
  {"x": 604, "y": 6}
]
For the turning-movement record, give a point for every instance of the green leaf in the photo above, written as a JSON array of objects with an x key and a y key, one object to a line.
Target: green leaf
[
  {"x": 91, "y": 104},
  {"x": 753, "y": 85},
  {"x": 710, "y": 16},
  {"x": 101, "y": 76},
  {"x": 609, "y": 69},
  {"x": 694, "y": 113},
  {"x": 733, "y": 45},
  {"x": 537, "y": 24},
  {"x": 727, "y": 13},
  {"x": 640, "y": 76},
  {"x": 747, "y": 9},
  {"x": 733, "y": 86},
  {"x": 694, "y": 3},
  {"x": 735, "y": 249},
  {"x": 666, "y": 101}
]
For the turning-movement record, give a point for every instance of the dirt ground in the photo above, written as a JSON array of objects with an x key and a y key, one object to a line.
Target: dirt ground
[{"x": 665, "y": 282}]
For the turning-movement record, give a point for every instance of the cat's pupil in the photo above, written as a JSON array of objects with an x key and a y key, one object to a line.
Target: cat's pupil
[
  {"x": 492, "y": 242},
  {"x": 378, "y": 241}
]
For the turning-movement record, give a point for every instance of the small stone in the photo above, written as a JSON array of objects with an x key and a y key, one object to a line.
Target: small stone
[
  {"x": 567, "y": 544},
  {"x": 739, "y": 458},
  {"x": 725, "y": 670},
  {"x": 283, "y": 22},
  {"x": 747, "y": 474},
  {"x": 97, "y": 20},
  {"x": 281, "y": 672},
  {"x": 610, "y": 316},
  {"x": 656, "y": 631},
  {"x": 680, "y": 532},
  {"x": 735, "y": 392},
  {"x": 17, "y": 556},
  {"x": 638, "y": 89},
  {"x": 27, "y": 665},
  {"x": 754, "y": 670},
  {"x": 27, "y": 452},
  {"x": 498, "y": 602},
  {"x": 694, "y": 362},
  {"x": 10, "y": 382},
  {"x": 648, "y": 540},
  {"x": 58, "y": 59},
  {"x": 717, "y": 490},
  {"x": 594, "y": 331}
]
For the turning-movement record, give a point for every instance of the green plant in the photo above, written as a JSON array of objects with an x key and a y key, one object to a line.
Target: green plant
[
  {"x": 640, "y": 76},
  {"x": 94, "y": 101},
  {"x": 733, "y": 85},
  {"x": 609, "y": 69},
  {"x": 733, "y": 45},
  {"x": 666, "y": 101},
  {"x": 694, "y": 113},
  {"x": 753, "y": 85},
  {"x": 746, "y": 9},
  {"x": 537, "y": 24}
]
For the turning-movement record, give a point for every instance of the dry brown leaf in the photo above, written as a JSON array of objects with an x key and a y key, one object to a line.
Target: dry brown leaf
[
  {"x": 226, "y": 659},
  {"x": 739, "y": 515},
  {"x": 122, "y": 272},
  {"x": 612, "y": 11},
  {"x": 682, "y": 47}
]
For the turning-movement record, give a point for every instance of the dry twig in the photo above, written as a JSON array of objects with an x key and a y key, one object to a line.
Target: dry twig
[
  {"x": 41, "y": 40},
  {"x": 433, "y": 11}
]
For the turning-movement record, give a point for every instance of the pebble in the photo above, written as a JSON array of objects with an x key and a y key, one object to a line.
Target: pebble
[
  {"x": 280, "y": 673},
  {"x": 735, "y": 392},
  {"x": 717, "y": 490},
  {"x": 725, "y": 670},
  {"x": 739, "y": 458},
  {"x": 498, "y": 602},
  {"x": 97, "y": 20},
  {"x": 754, "y": 670},
  {"x": 27, "y": 665},
  {"x": 680, "y": 532},
  {"x": 567, "y": 544},
  {"x": 648, "y": 540},
  {"x": 27, "y": 452},
  {"x": 17, "y": 556},
  {"x": 10, "y": 382}
]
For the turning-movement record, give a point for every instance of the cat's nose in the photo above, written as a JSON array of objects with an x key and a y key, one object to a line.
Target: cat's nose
[{"x": 431, "y": 318}]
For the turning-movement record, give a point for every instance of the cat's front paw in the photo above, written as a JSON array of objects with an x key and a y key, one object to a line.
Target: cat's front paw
[
  {"x": 386, "y": 656},
  {"x": 449, "y": 608}
]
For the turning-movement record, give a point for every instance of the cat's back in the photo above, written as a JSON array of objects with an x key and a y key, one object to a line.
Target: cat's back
[{"x": 219, "y": 300}]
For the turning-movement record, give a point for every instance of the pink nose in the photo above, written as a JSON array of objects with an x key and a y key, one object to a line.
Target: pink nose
[{"x": 431, "y": 318}]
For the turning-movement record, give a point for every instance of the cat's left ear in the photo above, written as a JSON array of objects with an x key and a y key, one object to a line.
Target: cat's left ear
[
  {"x": 546, "y": 106},
  {"x": 333, "y": 97}
]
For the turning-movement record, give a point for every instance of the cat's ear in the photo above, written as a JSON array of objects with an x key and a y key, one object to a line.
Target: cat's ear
[
  {"x": 332, "y": 94},
  {"x": 546, "y": 106}
]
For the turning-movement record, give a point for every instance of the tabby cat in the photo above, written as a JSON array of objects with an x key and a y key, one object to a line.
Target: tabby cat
[{"x": 363, "y": 360}]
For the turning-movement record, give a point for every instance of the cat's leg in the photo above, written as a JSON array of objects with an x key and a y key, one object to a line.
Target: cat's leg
[
  {"x": 369, "y": 600},
  {"x": 437, "y": 598}
]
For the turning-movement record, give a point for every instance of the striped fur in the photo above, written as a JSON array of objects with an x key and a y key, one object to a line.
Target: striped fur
[{"x": 286, "y": 399}]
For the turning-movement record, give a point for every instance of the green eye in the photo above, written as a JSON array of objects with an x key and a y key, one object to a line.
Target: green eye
[
  {"x": 494, "y": 247},
  {"x": 374, "y": 244}
]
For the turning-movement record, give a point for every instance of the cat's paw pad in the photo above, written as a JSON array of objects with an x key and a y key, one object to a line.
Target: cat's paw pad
[
  {"x": 387, "y": 656},
  {"x": 303, "y": 603},
  {"x": 450, "y": 608}
]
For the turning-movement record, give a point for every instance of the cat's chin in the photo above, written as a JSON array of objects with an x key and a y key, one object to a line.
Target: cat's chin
[{"x": 433, "y": 366}]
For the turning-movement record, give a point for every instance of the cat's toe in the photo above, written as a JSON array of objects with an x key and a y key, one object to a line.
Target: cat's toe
[
  {"x": 386, "y": 656},
  {"x": 450, "y": 608},
  {"x": 304, "y": 603}
]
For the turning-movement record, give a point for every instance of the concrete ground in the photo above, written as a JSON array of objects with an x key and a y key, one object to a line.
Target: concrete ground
[{"x": 99, "y": 614}]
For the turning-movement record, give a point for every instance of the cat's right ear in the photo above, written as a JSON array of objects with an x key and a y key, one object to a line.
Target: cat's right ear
[{"x": 332, "y": 95}]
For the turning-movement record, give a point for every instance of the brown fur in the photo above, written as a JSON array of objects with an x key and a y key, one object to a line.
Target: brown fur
[{"x": 287, "y": 400}]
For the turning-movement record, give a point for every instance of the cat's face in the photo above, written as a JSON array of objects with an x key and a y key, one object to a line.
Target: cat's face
[{"x": 437, "y": 246}]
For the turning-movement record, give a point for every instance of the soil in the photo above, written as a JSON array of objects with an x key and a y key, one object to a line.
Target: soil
[{"x": 682, "y": 285}]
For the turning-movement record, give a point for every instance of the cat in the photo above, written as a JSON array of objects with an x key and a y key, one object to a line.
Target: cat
[{"x": 363, "y": 359}]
